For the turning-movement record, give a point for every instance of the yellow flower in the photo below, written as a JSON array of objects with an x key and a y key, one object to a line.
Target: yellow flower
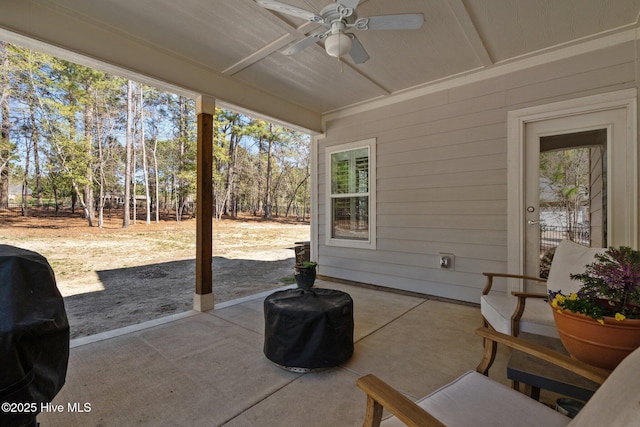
[
  {"x": 557, "y": 300},
  {"x": 601, "y": 321},
  {"x": 559, "y": 311},
  {"x": 620, "y": 317},
  {"x": 573, "y": 297}
]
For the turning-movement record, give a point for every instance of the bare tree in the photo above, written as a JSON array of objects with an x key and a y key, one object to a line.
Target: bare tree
[
  {"x": 145, "y": 170},
  {"x": 129, "y": 143},
  {"x": 6, "y": 148},
  {"x": 153, "y": 133},
  {"x": 73, "y": 117}
]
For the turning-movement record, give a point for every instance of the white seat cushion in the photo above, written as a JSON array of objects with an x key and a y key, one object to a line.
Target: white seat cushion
[
  {"x": 498, "y": 307},
  {"x": 476, "y": 400}
]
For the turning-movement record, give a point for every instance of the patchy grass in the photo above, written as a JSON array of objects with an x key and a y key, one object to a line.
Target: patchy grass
[{"x": 75, "y": 249}]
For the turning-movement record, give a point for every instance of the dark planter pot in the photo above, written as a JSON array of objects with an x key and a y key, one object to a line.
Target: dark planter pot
[{"x": 305, "y": 276}]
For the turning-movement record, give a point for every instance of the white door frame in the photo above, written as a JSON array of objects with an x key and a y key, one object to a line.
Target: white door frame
[{"x": 517, "y": 121}]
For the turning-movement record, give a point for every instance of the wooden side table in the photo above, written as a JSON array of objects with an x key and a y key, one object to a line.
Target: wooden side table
[{"x": 538, "y": 374}]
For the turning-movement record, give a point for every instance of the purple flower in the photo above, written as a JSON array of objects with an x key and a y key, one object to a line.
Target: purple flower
[{"x": 615, "y": 278}]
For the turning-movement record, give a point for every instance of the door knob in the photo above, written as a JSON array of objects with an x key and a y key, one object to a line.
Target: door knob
[{"x": 532, "y": 221}]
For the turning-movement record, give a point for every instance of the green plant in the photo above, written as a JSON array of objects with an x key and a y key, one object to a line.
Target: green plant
[
  {"x": 288, "y": 280},
  {"x": 611, "y": 287},
  {"x": 308, "y": 264}
]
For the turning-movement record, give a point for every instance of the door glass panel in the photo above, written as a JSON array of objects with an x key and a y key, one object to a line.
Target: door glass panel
[{"x": 573, "y": 196}]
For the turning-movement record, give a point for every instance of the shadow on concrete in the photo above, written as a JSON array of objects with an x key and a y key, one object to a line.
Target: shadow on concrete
[{"x": 133, "y": 295}]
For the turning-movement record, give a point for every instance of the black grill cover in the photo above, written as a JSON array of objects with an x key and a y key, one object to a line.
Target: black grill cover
[
  {"x": 34, "y": 335},
  {"x": 309, "y": 329}
]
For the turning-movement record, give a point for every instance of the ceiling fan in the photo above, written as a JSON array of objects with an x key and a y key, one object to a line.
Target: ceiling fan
[{"x": 337, "y": 18}]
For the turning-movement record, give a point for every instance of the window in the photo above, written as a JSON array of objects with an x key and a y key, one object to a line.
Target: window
[{"x": 351, "y": 195}]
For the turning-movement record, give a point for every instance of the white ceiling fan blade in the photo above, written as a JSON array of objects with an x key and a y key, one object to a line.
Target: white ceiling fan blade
[
  {"x": 409, "y": 21},
  {"x": 302, "y": 44},
  {"x": 357, "y": 53},
  {"x": 290, "y": 10},
  {"x": 349, "y": 3}
]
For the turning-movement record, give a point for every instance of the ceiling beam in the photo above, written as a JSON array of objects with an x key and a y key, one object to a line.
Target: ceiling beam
[
  {"x": 470, "y": 31},
  {"x": 359, "y": 72}
]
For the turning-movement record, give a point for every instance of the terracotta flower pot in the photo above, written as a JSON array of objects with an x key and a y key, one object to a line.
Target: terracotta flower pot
[{"x": 602, "y": 345}]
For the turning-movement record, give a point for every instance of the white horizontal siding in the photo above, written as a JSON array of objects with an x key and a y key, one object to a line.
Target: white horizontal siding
[
  {"x": 465, "y": 193},
  {"x": 439, "y": 164},
  {"x": 450, "y": 179},
  {"x": 580, "y": 82},
  {"x": 494, "y": 238},
  {"x": 620, "y": 54},
  {"x": 442, "y": 174}
]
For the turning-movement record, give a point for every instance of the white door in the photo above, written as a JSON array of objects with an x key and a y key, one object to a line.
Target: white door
[{"x": 613, "y": 123}]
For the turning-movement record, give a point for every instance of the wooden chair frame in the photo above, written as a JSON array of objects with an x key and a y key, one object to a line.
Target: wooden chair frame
[
  {"x": 521, "y": 296},
  {"x": 381, "y": 395}
]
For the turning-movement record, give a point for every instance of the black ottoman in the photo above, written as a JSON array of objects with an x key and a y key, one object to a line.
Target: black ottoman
[{"x": 308, "y": 329}]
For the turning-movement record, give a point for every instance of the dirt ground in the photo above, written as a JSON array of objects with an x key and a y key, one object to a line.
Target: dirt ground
[{"x": 112, "y": 277}]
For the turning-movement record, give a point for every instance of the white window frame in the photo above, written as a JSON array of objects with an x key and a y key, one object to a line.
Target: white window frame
[{"x": 370, "y": 243}]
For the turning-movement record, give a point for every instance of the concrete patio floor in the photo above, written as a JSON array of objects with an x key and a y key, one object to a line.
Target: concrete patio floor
[{"x": 208, "y": 369}]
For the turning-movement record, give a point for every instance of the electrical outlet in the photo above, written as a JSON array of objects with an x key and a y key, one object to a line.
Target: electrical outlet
[{"x": 447, "y": 261}]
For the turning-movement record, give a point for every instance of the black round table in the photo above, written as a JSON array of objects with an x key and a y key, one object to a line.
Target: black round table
[{"x": 309, "y": 329}]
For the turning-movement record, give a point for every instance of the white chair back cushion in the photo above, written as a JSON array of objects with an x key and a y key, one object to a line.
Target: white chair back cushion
[
  {"x": 570, "y": 258},
  {"x": 617, "y": 401}
]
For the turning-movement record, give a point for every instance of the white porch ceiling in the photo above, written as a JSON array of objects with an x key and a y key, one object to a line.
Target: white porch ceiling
[{"x": 230, "y": 49}]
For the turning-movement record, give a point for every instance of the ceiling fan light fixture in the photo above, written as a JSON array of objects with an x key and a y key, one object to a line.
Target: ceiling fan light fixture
[
  {"x": 340, "y": 16},
  {"x": 338, "y": 45}
]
